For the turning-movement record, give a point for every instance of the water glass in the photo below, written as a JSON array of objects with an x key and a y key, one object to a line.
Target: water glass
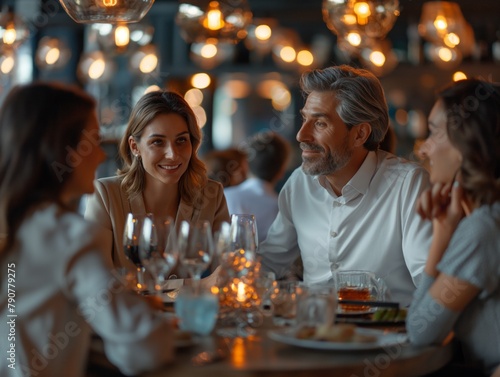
[
  {"x": 197, "y": 310},
  {"x": 264, "y": 282},
  {"x": 316, "y": 305},
  {"x": 284, "y": 303}
]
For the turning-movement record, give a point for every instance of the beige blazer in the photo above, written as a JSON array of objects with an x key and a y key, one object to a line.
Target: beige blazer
[{"x": 109, "y": 206}]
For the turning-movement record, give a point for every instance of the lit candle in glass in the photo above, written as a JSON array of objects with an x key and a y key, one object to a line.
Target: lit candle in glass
[{"x": 241, "y": 296}]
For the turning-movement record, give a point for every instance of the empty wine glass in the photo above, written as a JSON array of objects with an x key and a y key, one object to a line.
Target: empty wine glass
[
  {"x": 244, "y": 234},
  {"x": 222, "y": 243},
  {"x": 196, "y": 248},
  {"x": 158, "y": 248},
  {"x": 131, "y": 234}
]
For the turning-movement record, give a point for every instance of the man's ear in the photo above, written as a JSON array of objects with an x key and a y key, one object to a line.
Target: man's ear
[{"x": 362, "y": 132}]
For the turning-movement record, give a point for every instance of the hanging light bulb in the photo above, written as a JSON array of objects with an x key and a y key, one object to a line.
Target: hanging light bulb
[
  {"x": 261, "y": 35},
  {"x": 443, "y": 57},
  {"x": 362, "y": 11},
  {"x": 459, "y": 75},
  {"x": 201, "y": 80},
  {"x": 122, "y": 36},
  {"x": 263, "y": 32},
  {"x": 52, "y": 53},
  {"x": 145, "y": 59},
  {"x": 208, "y": 50},
  {"x": 287, "y": 54},
  {"x": 13, "y": 31},
  {"x": 211, "y": 53},
  {"x": 95, "y": 66},
  {"x": 285, "y": 46},
  {"x": 106, "y": 11},
  {"x": 379, "y": 57},
  {"x": 7, "y": 62},
  {"x": 226, "y": 20},
  {"x": 353, "y": 38},
  {"x": 305, "y": 58},
  {"x": 214, "y": 19},
  {"x": 451, "y": 40}
]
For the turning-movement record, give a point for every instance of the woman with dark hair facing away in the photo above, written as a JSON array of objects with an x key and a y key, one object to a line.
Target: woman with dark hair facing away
[
  {"x": 161, "y": 174},
  {"x": 52, "y": 259},
  {"x": 460, "y": 291}
]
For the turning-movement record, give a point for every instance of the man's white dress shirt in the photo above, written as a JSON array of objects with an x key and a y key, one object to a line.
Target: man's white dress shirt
[{"x": 372, "y": 226}]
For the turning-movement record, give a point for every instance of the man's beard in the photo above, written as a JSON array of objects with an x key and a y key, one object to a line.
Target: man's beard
[{"x": 328, "y": 164}]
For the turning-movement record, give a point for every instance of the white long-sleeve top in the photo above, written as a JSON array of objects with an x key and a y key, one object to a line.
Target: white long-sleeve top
[
  {"x": 372, "y": 226},
  {"x": 64, "y": 290}
]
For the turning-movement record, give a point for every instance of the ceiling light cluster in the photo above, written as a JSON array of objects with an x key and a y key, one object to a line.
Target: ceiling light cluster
[
  {"x": 450, "y": 36},
  {"x": 361, "y": 26}
]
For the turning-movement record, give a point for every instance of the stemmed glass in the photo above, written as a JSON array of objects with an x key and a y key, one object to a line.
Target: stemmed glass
[
  {"x": 158, "y": 248},
  {"x": 196, "y": 249},
  {"x": 244, "y": 234},
  {"x": 131, "y": 234},
  {"x": 237, "y": 247}
]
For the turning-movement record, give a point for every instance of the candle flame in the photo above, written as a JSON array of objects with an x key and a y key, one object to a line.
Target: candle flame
[{"x": 241, "y": 296}]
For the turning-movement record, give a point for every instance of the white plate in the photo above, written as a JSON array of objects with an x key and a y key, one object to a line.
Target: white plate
[{"x": 383, "y": 339}]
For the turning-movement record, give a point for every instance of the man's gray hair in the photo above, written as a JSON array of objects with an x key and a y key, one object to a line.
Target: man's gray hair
[{"x": 360, "y": 97}]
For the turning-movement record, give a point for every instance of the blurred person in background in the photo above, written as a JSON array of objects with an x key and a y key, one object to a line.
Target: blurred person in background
[
  {"x": 227, "y": 166},
  {"x": 268, "y": 156}
]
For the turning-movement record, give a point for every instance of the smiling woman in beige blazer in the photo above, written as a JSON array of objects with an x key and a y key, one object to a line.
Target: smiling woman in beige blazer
[{"x": 161, "y": 173}]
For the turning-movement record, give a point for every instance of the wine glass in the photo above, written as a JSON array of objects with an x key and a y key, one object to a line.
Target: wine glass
[
  {"x": 131, "y": 234},
  {"x": 244, "y": 234},
  {"x": 222, "y": 243},
  {"x": 158, "y": 249},
  {"x": 237, "y": 246},
  {"x": 196, "y": 248}
]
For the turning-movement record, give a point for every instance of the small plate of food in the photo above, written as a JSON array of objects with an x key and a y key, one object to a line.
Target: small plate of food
[{"x": 338, "y": 337}]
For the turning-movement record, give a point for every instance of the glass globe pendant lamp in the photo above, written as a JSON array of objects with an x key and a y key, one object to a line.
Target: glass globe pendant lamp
[
  {"x": 13, "y": 31},
  {"x": 106, "y": 11},
  {"x": 225, "y": 20},
  {"x": 371, "y": 18}
]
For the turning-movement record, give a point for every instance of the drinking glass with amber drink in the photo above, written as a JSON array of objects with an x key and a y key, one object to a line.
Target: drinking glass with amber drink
[{"x": 358, "y": 285}]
